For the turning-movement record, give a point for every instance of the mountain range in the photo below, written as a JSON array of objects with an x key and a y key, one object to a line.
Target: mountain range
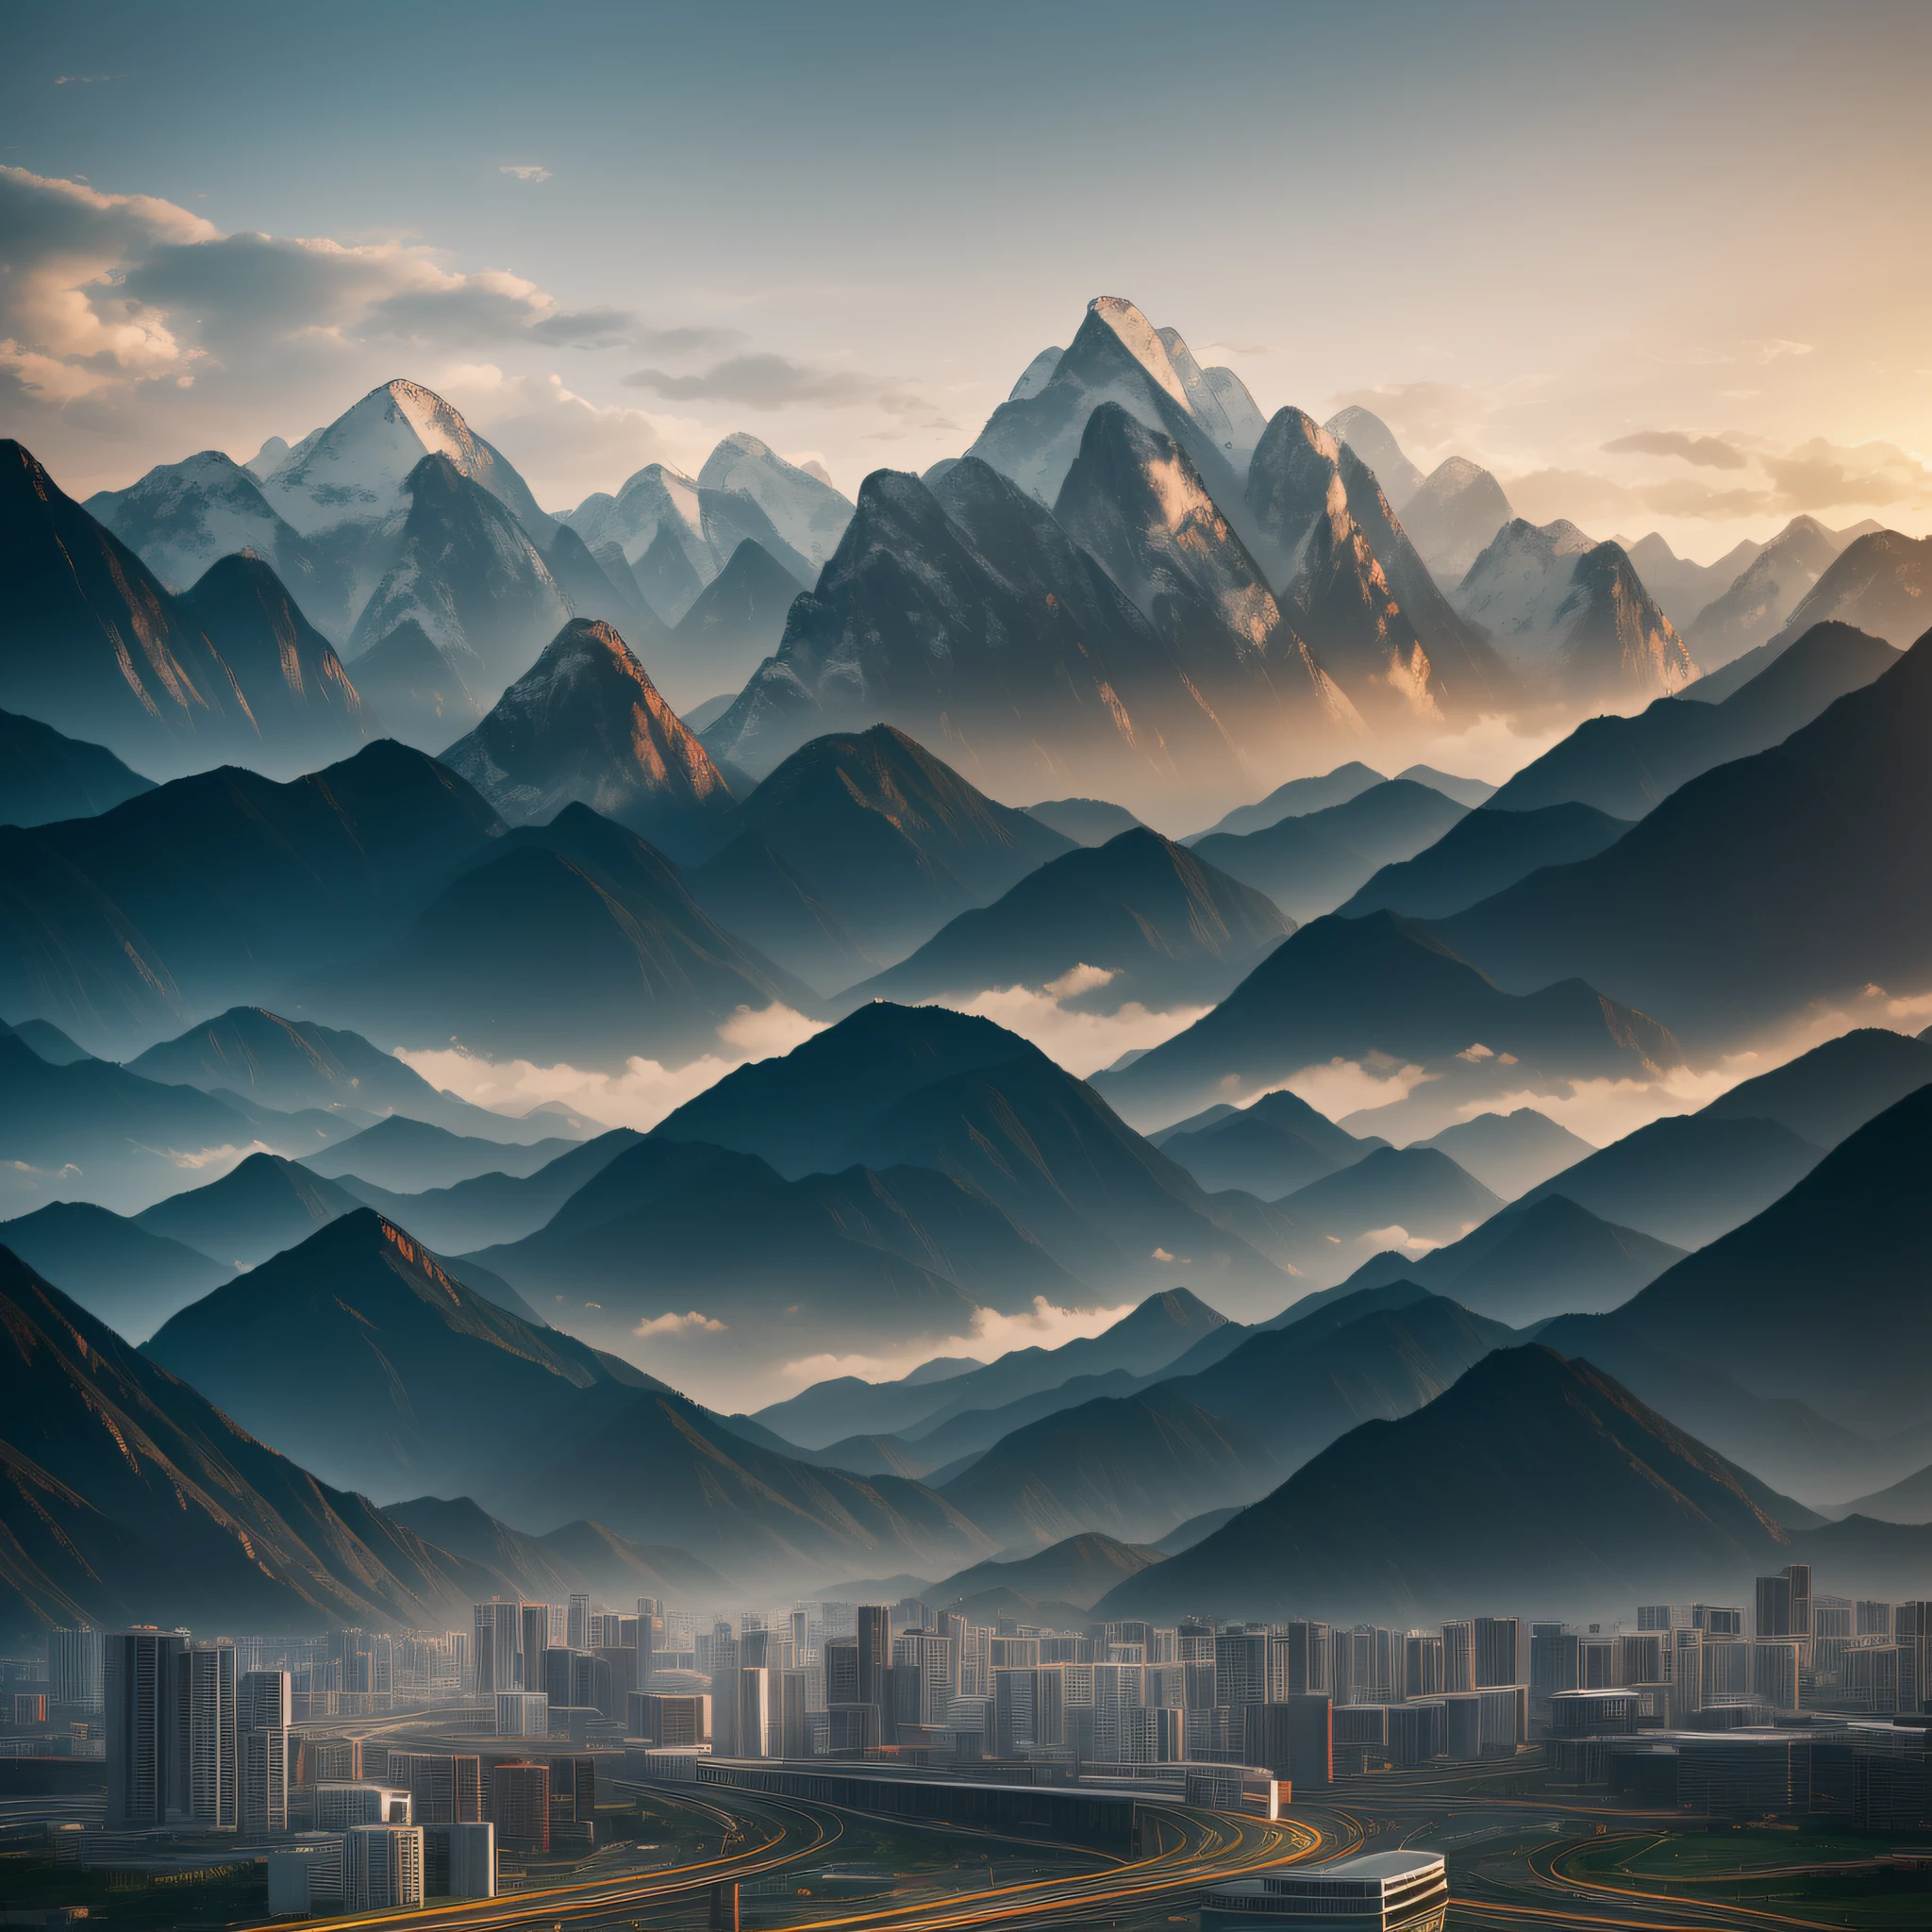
[
  {"x": 1418, "y": 1517},
  {"x": 92, "y": 644},
  {"x": 1750, "y": 890},
  {"x": 45, "y": 775},
  {"x": 1352, "y": 989},
  {"x": 1625, "y": 766},
  {"x": 1146, "y": 918}
]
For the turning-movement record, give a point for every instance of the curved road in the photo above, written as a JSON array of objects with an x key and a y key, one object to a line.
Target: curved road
[{"x": 1190, "y": 1849}]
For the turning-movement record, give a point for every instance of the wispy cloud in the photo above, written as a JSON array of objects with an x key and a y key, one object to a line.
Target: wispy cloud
[
  {"x": 1710, "y": 452},
  {"x": 767, "y": 381},
  {"x": 525, "y": 171},
  {"x": 85, "y": 79}
]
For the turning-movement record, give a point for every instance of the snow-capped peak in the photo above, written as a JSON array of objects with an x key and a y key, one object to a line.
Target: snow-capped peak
[
  {"x": 353, "y": 470},
  {"x": 810, "y": 515},
  {"x": 1142, "y": 342}
]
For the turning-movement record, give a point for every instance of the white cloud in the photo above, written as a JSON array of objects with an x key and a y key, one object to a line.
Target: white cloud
[
  {"x": 663, "y": 1328},
  {"x": 1082, "y": 1043},
  {"x": 525, "y": 171},
  {"x": 1339, "y": 1087},
  {"x": 563, "y": 445},
  {"x": 639, "y": 1097},
  {"x": 991, "y": 1334}
]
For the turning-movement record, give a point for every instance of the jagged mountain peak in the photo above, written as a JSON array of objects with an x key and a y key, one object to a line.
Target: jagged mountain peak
[
  {"x": 1141, "y": 340},
  {"x": 586, "y": 724},
  {"x": 1373, "y": 441},
  {"x": 353, "y": 471}
]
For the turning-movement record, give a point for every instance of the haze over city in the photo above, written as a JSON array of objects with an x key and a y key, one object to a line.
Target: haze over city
[{"x": 965, "y": 967}]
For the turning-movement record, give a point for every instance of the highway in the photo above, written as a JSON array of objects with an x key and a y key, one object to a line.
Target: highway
[{"x": 1190, "y": 1849}]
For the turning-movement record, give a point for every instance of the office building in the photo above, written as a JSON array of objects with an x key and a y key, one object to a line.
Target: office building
[
  {"x": 573, "y": 1788},
  {"x": 444, "y": 1789},
  {"x": 460, "y": 1860},
  {"x": 499, "y": 1646},
  {"x": 1499, "y": 1654},
  {"x": 1384, "y": 1891},
  {"x": 1119, "y": 1689},
  {"x": 304, "y": 1878},
  {"x": 1297, "y": 1660},
  {"x": 577, "y": 1623},
  {"x": 520, "y": 1804},
  {"x": 1422, "y": 1664},
  {"x": 1240, "y": 1665},
  {"x": 1871, "y": 1619},
  {"x": 339, "y": 1807},
  {"x": 723, "y": 1654},
  {"x": 382, "y": 1868},
  {"x": 1556, "y": 1663},
  {"x": 523, "y": 1714},
  {"x": 264, "y": 1707},
  {"x": 1784, "y": 1605},
  {"x": 929, "y": 1652},
  {"x": 1911, "y": 1626},
  {"x": 264, "y": 1780},
  {"x": 213, "y": 1789},
  {"x": 1458, "y": 1657},
  {"x": 757, "y": 1717},
  {"x": 842, "y": 1671},
  {"x": 873, "y": 1638},
  {"x": 670, "y": 1719},
  {"x": 1293, "y": 1738},
  {"x": 73, "y": 1671},
  {"x": 1774, "y": 1666},
  {"x": 138, "y": 1690}
]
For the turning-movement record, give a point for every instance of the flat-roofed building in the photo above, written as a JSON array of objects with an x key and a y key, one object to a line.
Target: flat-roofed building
[{"x": 1385, "y": 1891}]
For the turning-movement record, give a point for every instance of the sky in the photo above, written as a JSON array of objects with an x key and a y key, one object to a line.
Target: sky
[{"x": 1658, "y": 267}]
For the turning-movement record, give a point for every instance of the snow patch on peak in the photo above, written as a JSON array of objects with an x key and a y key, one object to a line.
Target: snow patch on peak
[
  {"x": 1142, "y": 342},
  {"x": 716, "y": 472}
]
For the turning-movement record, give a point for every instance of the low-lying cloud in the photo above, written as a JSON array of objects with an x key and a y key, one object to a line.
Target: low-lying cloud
[
  {"x": 1081, "y": 1041},
  {"x": 639, "y": 1097},
  {"x": 766, "y": 381},
  {"x": 990, "y": 1335}
]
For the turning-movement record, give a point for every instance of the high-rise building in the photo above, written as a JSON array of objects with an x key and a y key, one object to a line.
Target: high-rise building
[
  {"x": 1120, "y": 1689},
  {"x": 265, "y": 1755},
  {"x": 382, "y": 1868},
  {"x": 842, "y": 1670},
  {"x": 444, "y": 1789},
  {"x": 520, "y": 1804},
  {"x": 674, "y": 1719},
  {"x": 264, "y": 1707},
  {"x": 1499, "y": 1655},
  {"x": 1422, "y": 1664},
  {"x": 523, "y": 1714},
  {"x": 1784, "y": 1604},
  {"x": 929, "y": 1652},
  {"x": 499, "y": 1647},
  {"x": 73, "y": 1670},
  {"x": 1458, "y": 1657},
  {"x": 138, "y": 1693},
  {"x": 755, "y": 1716},
  {"x": 573, "y": 1788},
  {"x": 1556, "y": 1663},
  {"x": 1240, "y": 1665},
  {"x": 1871, "y": 1619},
  {"x": 1294, "y": 1738},
  {"x": 460, "y": 1860},
  {"x": 1911, "y": 1627},
  {"x": 576, "y": 1625},
  {"x": 214, "y": 1769},
  {"x": 874, "y": 1640}
]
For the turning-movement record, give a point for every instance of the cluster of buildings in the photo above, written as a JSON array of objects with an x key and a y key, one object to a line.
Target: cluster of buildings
[
  {"x": 1795, "y": 1703},
  {"x": 1799, "y": 1679},
  {"x": 210, "y": 1742}
]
